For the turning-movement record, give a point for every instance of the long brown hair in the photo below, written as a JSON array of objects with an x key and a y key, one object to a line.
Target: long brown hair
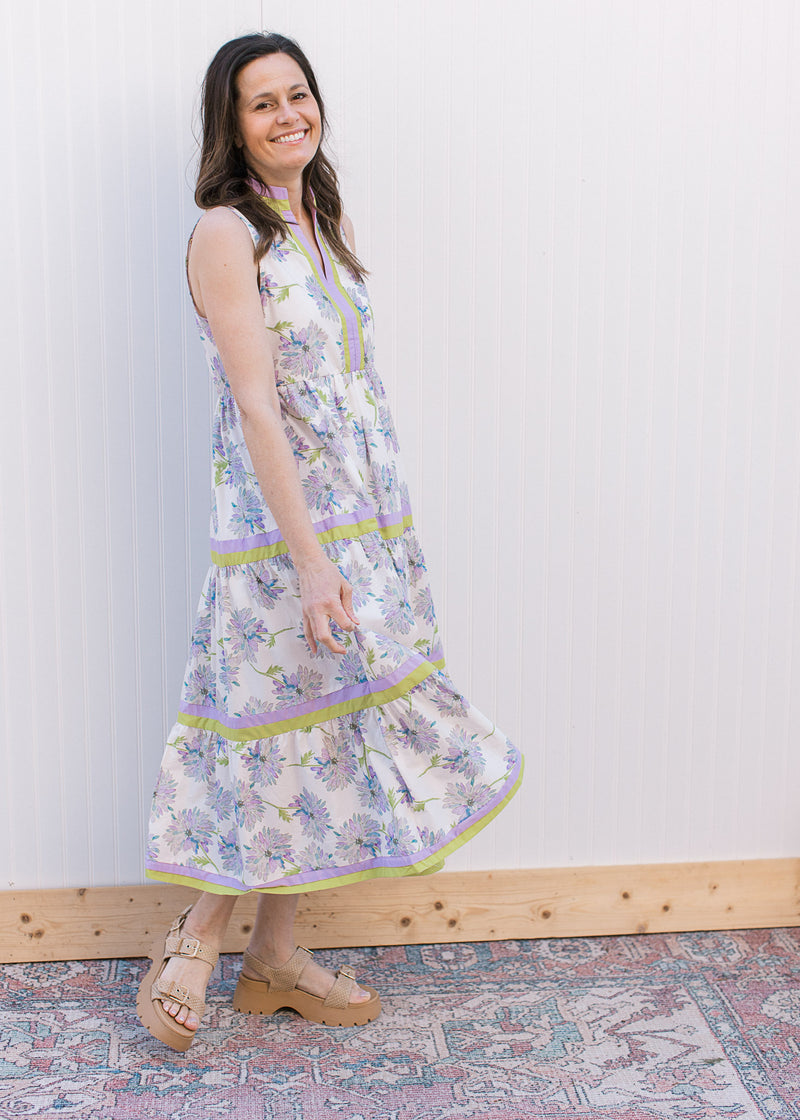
[{"x": 223, "y": 174}]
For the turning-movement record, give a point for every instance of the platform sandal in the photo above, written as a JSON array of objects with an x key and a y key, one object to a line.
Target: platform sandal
[
  {"x": 153, "y": 989},
  {"x": 279, "y": 989}
]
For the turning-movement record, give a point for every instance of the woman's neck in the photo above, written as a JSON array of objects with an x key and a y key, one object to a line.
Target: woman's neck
[{"x": 294, "y": 190}]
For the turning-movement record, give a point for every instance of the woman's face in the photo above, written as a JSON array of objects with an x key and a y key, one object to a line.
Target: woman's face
[{"x": 279, "y": 127}]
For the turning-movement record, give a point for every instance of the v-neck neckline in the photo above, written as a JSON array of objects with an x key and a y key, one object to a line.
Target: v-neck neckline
[
  {"x": 327, "y": 276},
  {"x": 314, "y": 248}
]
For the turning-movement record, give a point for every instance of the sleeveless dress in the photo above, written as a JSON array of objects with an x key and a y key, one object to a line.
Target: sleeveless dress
[{"x": 288, "y": 771}]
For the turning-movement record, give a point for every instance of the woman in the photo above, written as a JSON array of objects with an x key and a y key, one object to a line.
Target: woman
[{"x": 319, "y": 741}]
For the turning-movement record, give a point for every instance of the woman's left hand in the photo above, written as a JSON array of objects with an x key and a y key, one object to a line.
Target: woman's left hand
[{"x": 325, "y": 597}]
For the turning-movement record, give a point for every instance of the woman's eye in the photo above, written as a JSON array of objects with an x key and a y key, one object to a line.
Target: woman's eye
[{"x": 298, "y": 95}]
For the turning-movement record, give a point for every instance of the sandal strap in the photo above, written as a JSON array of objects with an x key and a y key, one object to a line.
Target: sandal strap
[
  {"x": 177, "y": 945},
  {"x": 178, "y": 994},
  {"x": 181, "y": 918},
  {"x": 284, "y": 978},
  {"x": 339, "y": 995}
]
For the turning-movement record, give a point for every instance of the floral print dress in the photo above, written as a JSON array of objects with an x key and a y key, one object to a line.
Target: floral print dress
[{"x": 289, "y": 771}]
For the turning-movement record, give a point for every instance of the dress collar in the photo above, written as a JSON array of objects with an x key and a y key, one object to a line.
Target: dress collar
[
  {"x": 278, "y": 199},
  {"x": 267, "y": 191}
]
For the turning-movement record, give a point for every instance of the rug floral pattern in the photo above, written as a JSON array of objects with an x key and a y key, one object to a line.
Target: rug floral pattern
[{"x": 688, "y": 1026}]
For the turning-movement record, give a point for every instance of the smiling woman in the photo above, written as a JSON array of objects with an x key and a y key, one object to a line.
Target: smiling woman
[{"x": 319, "y": 740}]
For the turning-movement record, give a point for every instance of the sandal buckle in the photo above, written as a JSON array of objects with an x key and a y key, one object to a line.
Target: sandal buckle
[
  {"x": 180, "y": 994},
  {"x": 347, "y": 971},
  {"x": 190, "y": 947}
]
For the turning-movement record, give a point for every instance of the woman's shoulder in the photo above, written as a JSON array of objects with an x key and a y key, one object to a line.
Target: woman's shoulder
[
  {"x": 223, "y": 221},
  {"x": 223, "y": 230}
]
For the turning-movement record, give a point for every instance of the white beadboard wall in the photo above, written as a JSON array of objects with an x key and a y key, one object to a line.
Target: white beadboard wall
[{"x": 582, "y": 225}]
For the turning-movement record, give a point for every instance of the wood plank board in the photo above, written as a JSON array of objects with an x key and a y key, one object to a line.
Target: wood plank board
[{"x": 91, "y": 922}]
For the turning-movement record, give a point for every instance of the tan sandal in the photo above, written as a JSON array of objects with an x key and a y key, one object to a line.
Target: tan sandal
[
  {"x": 255, "y": 997},
  {"x": 153, "y": 989}
]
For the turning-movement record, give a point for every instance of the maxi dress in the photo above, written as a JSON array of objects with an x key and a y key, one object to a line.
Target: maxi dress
[{"x": 288, "y": 771}]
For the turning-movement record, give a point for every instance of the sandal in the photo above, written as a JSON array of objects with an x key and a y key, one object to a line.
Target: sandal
[
  {"x": 256, "y": 997},
  {"x": 153, "y": 989}
]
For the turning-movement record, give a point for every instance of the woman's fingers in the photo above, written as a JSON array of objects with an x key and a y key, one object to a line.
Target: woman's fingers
[
  {"x": 327, "y": 597},
  {"x": 347, "y": 601},
  {"x": 330, "y": 642},
  {"x": 322, "y": 633},
  {"x": 320, "y": 625},
  {"x": 322, "y": 630},
  {"x": 309, "y": 633}
]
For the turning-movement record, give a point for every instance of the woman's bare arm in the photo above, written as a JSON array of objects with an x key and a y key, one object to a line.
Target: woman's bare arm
[{"x": 224, "y": 284}]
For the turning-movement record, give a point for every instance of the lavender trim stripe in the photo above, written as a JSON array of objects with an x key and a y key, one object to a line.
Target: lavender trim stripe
[
  {"x": 292, "y": 711},
  {"x": 354, "y": 517}
]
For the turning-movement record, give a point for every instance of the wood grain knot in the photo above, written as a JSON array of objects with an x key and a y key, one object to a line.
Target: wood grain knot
[
  {"x": 452, "y": 923},
  {"x": 665, "y": 907},
  {"x": 438, "y": 906},
  {"x": 405, "y": 921},
  {"x": 626, "y": 894},
  {"x": 246, "y": 927},
  {"x": 546, "y": 914},
  {"x": 25, "y": 918}
]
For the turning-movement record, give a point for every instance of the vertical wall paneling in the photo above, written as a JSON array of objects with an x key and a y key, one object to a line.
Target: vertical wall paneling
[{"x": 579, "y": 223}]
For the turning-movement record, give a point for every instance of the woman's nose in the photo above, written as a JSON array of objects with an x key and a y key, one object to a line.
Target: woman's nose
[{"x": 286, "y": 111}]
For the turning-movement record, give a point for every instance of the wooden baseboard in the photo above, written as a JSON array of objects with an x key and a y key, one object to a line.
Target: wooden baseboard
[{"x": 91, "y": 922}]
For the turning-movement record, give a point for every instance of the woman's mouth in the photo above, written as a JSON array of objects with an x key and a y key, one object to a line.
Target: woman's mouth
[{"x": 290, "y": 137}]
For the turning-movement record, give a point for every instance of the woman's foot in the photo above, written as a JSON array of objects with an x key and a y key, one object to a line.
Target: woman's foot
[
  {"x": 207, "y": 922},
  {"x": 192, "y": 974},
  {"x": 315, "y": 980},
  {"x": 272, "y": 942}
]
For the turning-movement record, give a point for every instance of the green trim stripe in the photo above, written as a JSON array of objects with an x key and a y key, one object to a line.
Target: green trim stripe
[
  {"x": 338, "y": 533},
  {"x": 343, "y": 292},
  {"x": 228, "y": 559},
  {"x": 296, "y": 723},
  {"x": 276, "y": 203}
]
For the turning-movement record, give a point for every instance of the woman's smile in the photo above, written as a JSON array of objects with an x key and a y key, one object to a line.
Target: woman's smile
[{"x": 291, "y": 137}]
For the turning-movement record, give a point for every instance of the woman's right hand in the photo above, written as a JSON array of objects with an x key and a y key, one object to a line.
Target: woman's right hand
[{"x": 325, "y": 596}]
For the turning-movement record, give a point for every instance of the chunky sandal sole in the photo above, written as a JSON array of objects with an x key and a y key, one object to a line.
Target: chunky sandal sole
[
  {"x": 253, "y": 997},
  {"x": 160, "y": 1025}
]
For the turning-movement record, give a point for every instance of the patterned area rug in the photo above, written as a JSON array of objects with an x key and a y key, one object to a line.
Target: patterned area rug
[{"x": 691, "y": 1026}]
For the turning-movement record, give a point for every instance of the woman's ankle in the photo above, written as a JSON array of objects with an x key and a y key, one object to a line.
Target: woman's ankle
[
  {"x": 208, "y": 919},
  {"x": 274, "y": 954}
]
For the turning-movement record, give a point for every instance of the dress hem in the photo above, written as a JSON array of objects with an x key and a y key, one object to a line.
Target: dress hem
[{"x": 200, "y": 880}]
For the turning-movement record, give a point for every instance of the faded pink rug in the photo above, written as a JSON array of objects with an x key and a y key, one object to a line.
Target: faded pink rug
[{"x": 692, "y": 1026}]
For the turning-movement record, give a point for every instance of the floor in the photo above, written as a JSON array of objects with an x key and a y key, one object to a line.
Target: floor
[{"x": 691, "y": 1026}]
